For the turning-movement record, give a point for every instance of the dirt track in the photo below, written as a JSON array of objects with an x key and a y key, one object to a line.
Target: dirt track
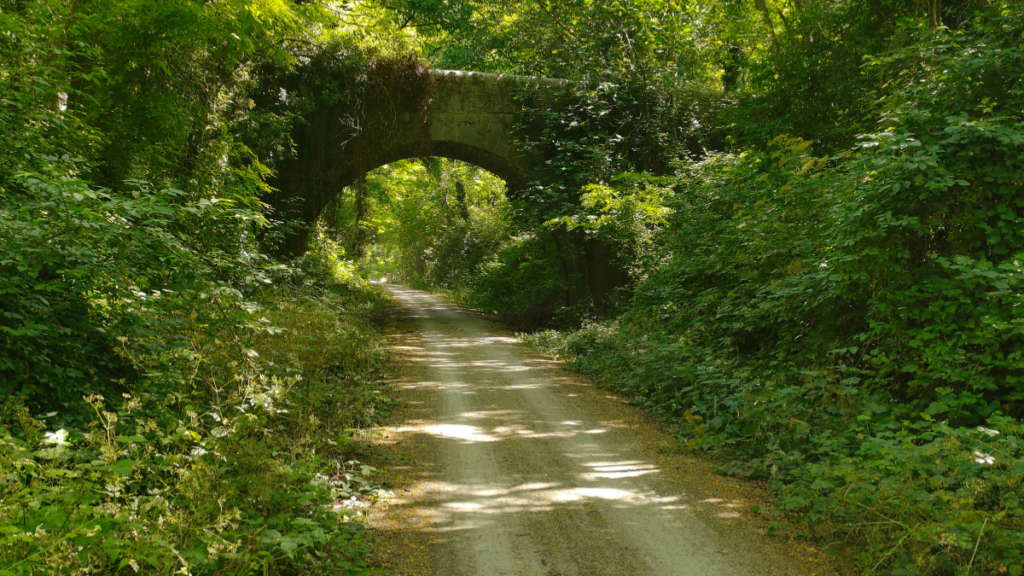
[{"x": 511, "y": 466}]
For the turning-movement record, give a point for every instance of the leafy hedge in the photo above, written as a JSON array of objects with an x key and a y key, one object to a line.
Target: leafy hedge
[
  {"x": 171, "y": 400},
  {"x": 850, "y": 327}
]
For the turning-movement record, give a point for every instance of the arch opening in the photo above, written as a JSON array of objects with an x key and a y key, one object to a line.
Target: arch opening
[
  {"x": 419, "y": 215},
  {"x": 514, "y": 176}
]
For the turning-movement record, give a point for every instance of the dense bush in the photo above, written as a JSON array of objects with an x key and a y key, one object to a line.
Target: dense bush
[
  {"x": 849, "y": 327},
  {"x": 226, "y": 458},
  {"x": 171, "y": 400},
  {"x": 521, "y": 283}
]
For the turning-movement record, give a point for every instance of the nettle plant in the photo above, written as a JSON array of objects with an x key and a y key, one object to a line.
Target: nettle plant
[{"x": 249, "y": 482}]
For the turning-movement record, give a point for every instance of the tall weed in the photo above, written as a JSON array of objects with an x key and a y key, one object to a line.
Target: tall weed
[{"x": 229, "y": 453}]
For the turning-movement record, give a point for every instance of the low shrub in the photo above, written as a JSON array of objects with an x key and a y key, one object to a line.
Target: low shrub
[
  {"x": 902, "y": 496},
  {"x": 229, "y": 455},
  {"x": 849, "y": 328}
]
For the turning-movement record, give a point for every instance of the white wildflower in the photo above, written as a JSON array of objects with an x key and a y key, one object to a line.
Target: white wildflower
[
  {"x": 983, "y": 459},
  {"x": 58, "y": 438}
]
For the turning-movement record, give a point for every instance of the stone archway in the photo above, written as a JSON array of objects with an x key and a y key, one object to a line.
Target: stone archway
[{"x": 466, "y": 116}]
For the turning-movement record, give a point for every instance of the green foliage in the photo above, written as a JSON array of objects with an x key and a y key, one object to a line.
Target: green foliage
[
  {"x": 521, "y": 283},
  {"x": 80, "y": 264},
  {"x": 593, "y": 133},
  {"x": 442, "y": 218},
  {"x": 848, "y": 327},
  {"x": 228, "y": 457},
  {"x": 78, "y": 257},
  {"x": 142, "y": 494},
  {"x": 173, "y": 401},
  {"x": 627, "y": 215},
  {"x": 808, "y": 81},
  {"x": 576, "y": 39}
]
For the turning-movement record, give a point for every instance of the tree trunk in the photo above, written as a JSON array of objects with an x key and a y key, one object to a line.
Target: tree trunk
[
  {"x": 935, "y": 13},
  {"x": 762, "y": 7},
  {"x": 359, "y": 238},
  {"x": 460, "y": 196}
]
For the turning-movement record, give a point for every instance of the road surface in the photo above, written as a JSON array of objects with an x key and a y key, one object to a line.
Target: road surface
[{"x": 508, "y": 465}]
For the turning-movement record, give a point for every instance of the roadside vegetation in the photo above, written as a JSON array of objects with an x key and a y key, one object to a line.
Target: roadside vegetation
[
  {"x": 173, "y": 400},
  {"x": 822, "y": 261}
]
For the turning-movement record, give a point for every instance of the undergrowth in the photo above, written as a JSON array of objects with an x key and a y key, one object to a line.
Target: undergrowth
[
  {"x": 849, "y": 328},
  {"x": 172, "y": 400},
  {"x": 902, "y": 495},
  {"x": 229, "y": 452}
]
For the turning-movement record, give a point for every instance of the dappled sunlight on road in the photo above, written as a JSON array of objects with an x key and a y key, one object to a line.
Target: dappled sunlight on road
[
  {"x": 463, "y": 503},
  {"x": 503, "y": 424},
  {"x": 468, "y": 506},
  {"x": 455, "y": 357},
  {"x": 459, "y": 432},
  {"x": 619, "y": 470},
  {"x": 532, "y": 473}
]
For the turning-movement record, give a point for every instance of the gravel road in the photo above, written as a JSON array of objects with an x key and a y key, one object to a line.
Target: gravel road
[{"x": 507, "y": 465}]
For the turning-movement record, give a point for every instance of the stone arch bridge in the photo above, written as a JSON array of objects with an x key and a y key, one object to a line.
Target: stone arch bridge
[{"x": 468, "y": 116}]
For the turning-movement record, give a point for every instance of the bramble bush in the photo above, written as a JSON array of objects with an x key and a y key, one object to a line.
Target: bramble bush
[
  {"x": 849, "y": 328},
  {"x": 172, "y": 401},
  {"x": 229, "y": 456}
]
